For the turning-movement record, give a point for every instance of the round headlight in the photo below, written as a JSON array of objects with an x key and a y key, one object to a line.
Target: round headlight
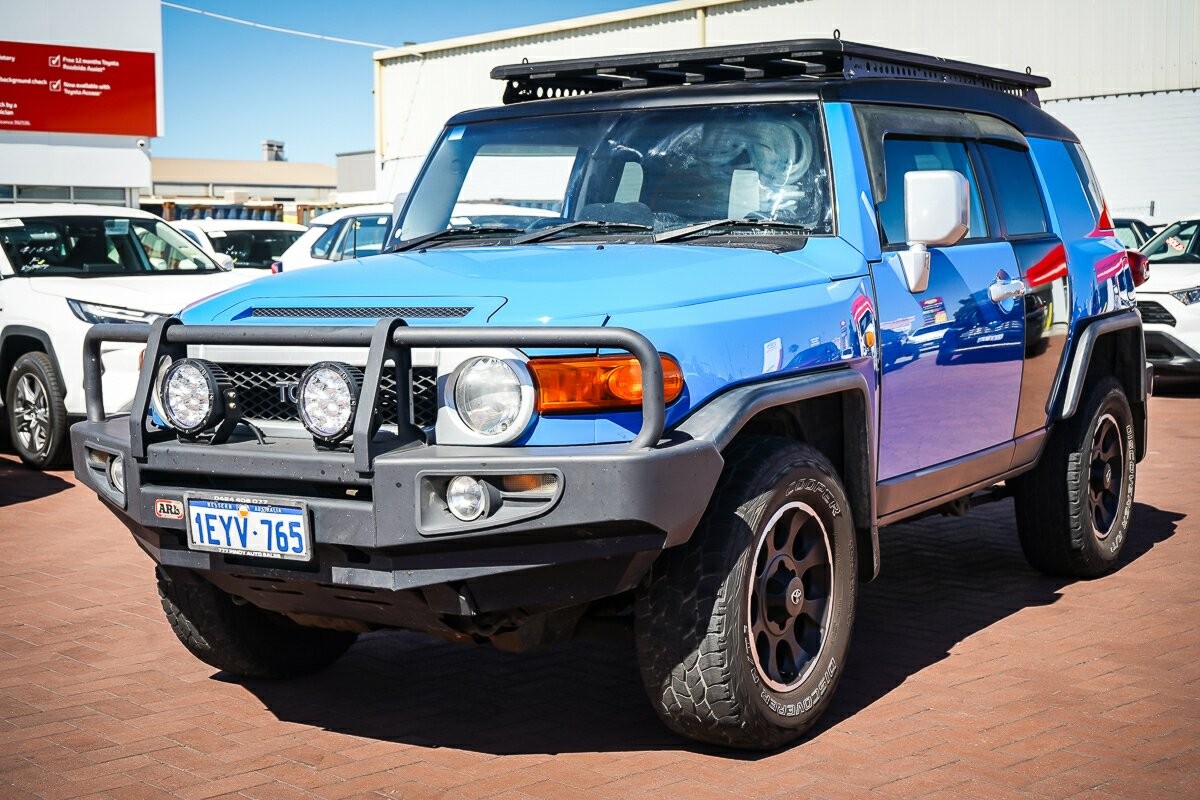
[
  {"x": 487, "y": 394},
  {"x": 327, "y": 399},
  {"x": 189, "y": 394},
  {"x": 466, "y": 498},
  {"x": 116, "y": 473}
]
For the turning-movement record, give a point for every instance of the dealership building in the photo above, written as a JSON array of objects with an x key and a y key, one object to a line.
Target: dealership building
[
  {"x": 80, "y": 99},
  {"x": 1126, "y": 76}
]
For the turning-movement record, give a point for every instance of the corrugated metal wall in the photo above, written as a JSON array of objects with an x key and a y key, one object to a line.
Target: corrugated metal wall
[
  {"x": 1087, "y": 47},
  {"x": 1145, "y": 148}
]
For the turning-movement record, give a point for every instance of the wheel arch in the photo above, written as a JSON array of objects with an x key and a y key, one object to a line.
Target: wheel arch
[
  {"x": 16, "y": 341},
  {"x": 1111, "y": 345},
  {"x": 829, "y": 410}
]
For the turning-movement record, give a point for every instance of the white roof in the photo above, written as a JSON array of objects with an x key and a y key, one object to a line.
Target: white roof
[
  {"x": 237, "y": 225},
  {"x": 330, "y": 217},
  {"x": 8, "y": 211}
]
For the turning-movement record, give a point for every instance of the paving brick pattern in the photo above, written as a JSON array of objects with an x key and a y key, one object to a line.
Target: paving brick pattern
[{"x": 970, "y": 676}]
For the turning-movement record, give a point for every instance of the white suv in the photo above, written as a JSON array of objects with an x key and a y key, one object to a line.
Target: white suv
[
  {"x": 256, "y": 244},
  {"x": 1170, "y": 299},
  {"x": 62, "y": 269}
]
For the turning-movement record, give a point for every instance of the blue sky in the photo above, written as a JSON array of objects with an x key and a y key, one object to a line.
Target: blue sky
[{"x": 227, "y": 87}]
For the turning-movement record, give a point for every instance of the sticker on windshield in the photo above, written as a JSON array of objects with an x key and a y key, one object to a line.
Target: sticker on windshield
[
  {"x": 456, "y": 133},
  {"x": 11, "y": 223},
  {"x": 116, "y": 227},
  {"x": 217, "y": 234}
]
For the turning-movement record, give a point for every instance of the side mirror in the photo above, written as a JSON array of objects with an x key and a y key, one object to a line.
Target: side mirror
[
  {"x": 937, "y": 213},
  {"x": 224, "y": 259}
]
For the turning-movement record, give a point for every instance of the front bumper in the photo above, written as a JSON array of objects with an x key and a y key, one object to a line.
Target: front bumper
[
  {"x": 1171, "y": 355},
  {"x": 384, "y": 552}
]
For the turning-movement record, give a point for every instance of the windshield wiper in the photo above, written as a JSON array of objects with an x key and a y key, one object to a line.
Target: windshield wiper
[
  {"x": 680, "y": 234},
  {"x": 451, "y": 233},
  {"x": 579, "y": 224}
]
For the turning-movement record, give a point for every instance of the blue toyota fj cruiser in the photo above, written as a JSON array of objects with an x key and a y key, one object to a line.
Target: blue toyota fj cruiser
[{"x": 668, "y": 336}]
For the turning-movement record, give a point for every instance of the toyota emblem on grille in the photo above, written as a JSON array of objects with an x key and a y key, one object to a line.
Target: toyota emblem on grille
[{"x": 287, "y": 391}]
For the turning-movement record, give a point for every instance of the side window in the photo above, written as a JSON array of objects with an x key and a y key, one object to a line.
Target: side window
[
  {"x": 324, "y": 244},
  {"x": 1016, "y": 189},
  {"x": 901, "y": 155},
  {"x": 362, "y": 236}
]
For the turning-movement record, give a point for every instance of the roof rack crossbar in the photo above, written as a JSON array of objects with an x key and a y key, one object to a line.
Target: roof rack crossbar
[{"x": 796, "y": 59}]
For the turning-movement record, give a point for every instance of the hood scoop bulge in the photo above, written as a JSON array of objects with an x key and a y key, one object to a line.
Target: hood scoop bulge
[{"x": 357, "y": 312}]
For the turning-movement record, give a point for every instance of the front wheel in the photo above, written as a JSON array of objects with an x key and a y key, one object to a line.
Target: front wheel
[
  {"x": 37, "y": 417},
  {"x": 742, "y": 632},
  {"x": 240, "y": 638},
  {"x": 1073, "y": 508}
]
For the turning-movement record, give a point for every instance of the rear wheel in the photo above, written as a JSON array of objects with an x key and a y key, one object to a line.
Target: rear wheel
[
  {"x": 1073, "y": 509},
  {"x": 36, "y": 415},
  {"x": 742, "y": 632},
  {"x": 240, "y": 638}
]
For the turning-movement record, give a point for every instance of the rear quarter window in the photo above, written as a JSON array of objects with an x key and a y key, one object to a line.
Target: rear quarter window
[{"x": 1016, "y": 189}]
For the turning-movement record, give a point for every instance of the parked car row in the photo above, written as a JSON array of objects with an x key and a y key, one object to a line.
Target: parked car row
[{"x": 66, "y": 267}]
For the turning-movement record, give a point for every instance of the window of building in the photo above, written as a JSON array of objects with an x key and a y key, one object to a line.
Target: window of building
[{"x": 44, "y": 194}]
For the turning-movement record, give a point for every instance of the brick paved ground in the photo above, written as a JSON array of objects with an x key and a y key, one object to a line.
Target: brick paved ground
[{"x": 970, "y": 677}]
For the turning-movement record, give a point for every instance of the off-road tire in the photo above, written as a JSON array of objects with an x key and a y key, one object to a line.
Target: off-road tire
[
  {"x": 243, "y": 640},
  {"x": 692, "y": 614},
  {"x": 37, "y": 369},
  {"x": 1054, "y": 514}
]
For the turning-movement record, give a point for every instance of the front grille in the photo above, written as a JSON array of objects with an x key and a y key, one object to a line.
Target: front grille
[
  {"x": 259, "y": 391},
  {"x": 370, "y": 312},
  {"x": 1154, "y": 314}
]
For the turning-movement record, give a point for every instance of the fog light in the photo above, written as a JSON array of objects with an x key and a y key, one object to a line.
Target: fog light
[
  {"x": 467, "y": 498},
  {"x": 190, "y": 395},
  {"x": 116, "y": 473},
  {"x": 327, "y": 399}
]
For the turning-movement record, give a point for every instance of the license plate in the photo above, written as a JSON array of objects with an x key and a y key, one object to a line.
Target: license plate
[{"x": 249, "y": 526}]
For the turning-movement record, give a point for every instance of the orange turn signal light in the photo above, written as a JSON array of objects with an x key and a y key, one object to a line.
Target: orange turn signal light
[{"x": 596, "y": 383}]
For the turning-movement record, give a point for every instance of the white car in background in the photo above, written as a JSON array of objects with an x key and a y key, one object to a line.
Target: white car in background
[
  {"x": 351, "y": 232},
  {"x": 361, "y": 231},
  {"x": 1170, "y": 299},
  {"x": 255, "y": 244},
  {"x": 64, "y": 268}
]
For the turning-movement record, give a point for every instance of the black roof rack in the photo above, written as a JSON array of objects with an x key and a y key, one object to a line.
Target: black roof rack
[{"x": 798, "y": 59}]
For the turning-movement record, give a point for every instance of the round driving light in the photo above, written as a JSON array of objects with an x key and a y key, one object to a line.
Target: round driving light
[
  {"x": 467, "y": 498},
  {"x": 327, "y": 399},
  {"x": 487, "y": 394},
  {"x": 116, "y": 473},
  {"x": 190, "y": 394}
]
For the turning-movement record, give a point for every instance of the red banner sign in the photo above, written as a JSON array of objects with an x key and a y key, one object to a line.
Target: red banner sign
[{"x": 48, "y": 87}]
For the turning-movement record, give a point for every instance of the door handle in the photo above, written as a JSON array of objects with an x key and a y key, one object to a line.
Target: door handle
[{"x": 1003, "y": 290}]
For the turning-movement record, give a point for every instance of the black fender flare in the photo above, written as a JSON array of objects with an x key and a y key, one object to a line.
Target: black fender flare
[
  {"x": 721, "y": 419},
  {"x": 1068, "y": 389}
]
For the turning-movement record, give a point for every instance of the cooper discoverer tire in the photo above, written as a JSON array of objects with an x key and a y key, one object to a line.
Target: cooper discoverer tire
[
  {"x": 36, "y": 415},
  {"x": 1073, "y": 508},
  {"x": 242, "y": 639},
  {"x": 742, "y": 632}
]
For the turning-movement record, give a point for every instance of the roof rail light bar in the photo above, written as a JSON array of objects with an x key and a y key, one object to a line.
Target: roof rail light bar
[{"x": 797, "y": 59}]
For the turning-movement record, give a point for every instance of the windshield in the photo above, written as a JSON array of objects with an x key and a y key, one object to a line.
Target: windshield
[
  {"x": 253, "y": 248},
  {"x": 1177, "y": 242},
  {"x": 90, "y": 246},
  {"x": 664, "y": 169}
]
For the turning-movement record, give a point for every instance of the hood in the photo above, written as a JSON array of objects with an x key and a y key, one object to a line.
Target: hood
[
  {"x": 532, "y": 284},
  {"x": 1168, "y": 277},
  {"x": 159, "y": 294}
]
